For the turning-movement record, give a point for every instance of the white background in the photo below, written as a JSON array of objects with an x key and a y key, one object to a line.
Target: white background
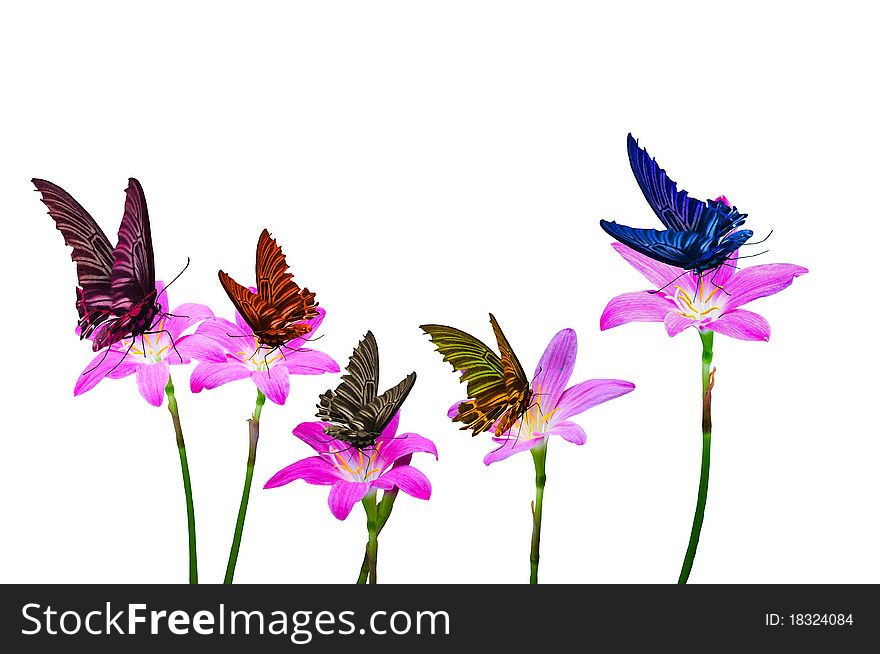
[{"x": 432, "y": 162}]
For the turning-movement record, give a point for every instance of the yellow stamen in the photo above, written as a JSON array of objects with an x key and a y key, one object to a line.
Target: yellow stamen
[{"x": 710, "y": 310}]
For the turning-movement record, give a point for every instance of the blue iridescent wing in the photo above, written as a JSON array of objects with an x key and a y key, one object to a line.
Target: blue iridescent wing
[
  {"x": 666, "y": 246},
  {"x": 675, "y": 209}
]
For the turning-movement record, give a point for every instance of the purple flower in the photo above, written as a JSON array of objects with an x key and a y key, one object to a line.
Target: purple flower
[
  {"x": 229, "y": 351},
  {"x": 553, "y": 404},
  {"x": 711, "y": 301},
  {"x": 352, "y": 473},
  {"x": 148, "y": 356}
]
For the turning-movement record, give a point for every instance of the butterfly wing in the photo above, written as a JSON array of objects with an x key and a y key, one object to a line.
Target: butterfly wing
[
  {"x": 515, "y": 380},
  {"x": 666, "y": 246},
  {"x": 92, "y": 253},
  {"x": 255, "y": 310},
  {"x": 275, "y": 285},
  {"x": 378, "y": 413},
  {"x": 133, "y": 276},
  {"x": 355, "y": 410},
  {"x": 675, "y": 209},
  {"x": 483, "y": 370}
]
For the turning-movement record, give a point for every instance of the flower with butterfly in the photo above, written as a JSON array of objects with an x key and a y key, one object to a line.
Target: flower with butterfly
[
  {"x": 359, "y": 450},
  {"x": 123, "y": 310},
  {"x": 522, "y": 414},
  {"x": 273, "y": 321},
  {"x": 695, "y": 265}
]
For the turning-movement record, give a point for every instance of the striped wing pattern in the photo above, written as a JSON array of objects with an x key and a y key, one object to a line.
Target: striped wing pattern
[
  {"x": 356, "y": 413},
  {"x": 92, "y": 253},
  {"x": 277, "y": 310},
  {"x": 497, "y": 388},
  {"x": 675, "y": 209},
  {"x": 133, "y": 273}
]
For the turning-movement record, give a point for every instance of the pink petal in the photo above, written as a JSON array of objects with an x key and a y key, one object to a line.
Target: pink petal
[
  {"x": 161, "y": 297},
  {"x": 312, "y": 434},
  {"x": 569, "y": 431},
  {"x": 344, "y": 495},
  {"x": 313, "y": 470},
  {"x": 185, "y": 316},
  {"x": 391, "y": 428},
  {"x": 212, "y": 375},
  {"x": 392, "y": 449},
  {"x": 760, "y": 281},
  {"x": 555, "y": 367},
  {"x": 227, "y": 335},
  {"x": 640, "y": 306},
  {"x": 742, "y": 324},
  {"x": 588, "y": 394},
  {"x": 676, "y": 323},
  {"x": 411, "y": 481},
  {"x": 722, "y": 274},
  {"x": 151, "y": 381},
  {"x": 274, "y": 383},
  {"x": 509, "y": 447},
  {"x": 99, "y": 367},
  {"x": 201, "y": 348},
  {"x": 308, "y": 362},
  {"x": 453, "y": 410},
  {"x": 659, "y": 274}
]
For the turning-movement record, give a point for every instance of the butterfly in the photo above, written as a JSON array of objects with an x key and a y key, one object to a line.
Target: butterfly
[
  {"x": 356, "y": 413},
  {"x": 497, "y": 387},
  {"x": 277, "y": 310},
  {"x": 116, "y": 297},
  {"x": 699, "y": 236}
]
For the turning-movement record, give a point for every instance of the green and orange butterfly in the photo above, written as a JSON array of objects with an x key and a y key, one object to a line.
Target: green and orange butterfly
[{"x": 498, "y": 389}]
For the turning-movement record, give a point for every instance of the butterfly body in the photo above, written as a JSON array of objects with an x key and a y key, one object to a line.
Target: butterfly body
[
  {"x": 355, "y": 413},
  {"x": 699, "y": 236},
  {"x": 498, "y": 389},
  {"x": 116, "y": 297},
  {"x": 277, "y": 311}
]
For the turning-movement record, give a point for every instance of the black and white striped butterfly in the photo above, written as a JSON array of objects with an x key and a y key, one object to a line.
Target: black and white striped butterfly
[{"x": 356, "y": 414}]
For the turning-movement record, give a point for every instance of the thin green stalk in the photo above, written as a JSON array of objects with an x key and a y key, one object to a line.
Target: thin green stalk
[
  {"x": 708, "y": 381},
  {"x": 385, "y": 506},
  {"x": 539, "y": 454},
  {"x": 187, "y": 486},
  {"x": 254, "y": 437},
  {"x": 372, "y": 511}
]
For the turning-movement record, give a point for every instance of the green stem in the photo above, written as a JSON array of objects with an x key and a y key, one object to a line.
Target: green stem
[
  {"x": 539, "y": 454},
  {"x": 707, "y": 337},
  {"x": 187, "y": 486},
  {"x": 254, "y": 437},
  {"x": 384, "y": 512},
  {"x": 372, "y": 511}
]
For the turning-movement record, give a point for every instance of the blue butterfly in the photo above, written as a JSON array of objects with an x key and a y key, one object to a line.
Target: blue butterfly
[{"x": 699, "y": 236}]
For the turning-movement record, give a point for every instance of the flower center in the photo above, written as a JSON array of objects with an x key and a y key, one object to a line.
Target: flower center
[
  {"x": 534, "y": 421},
  {"x": 700, "y": 306},
  {"x": 152, "y": 347},
  {"x": 357, "y": 465},
  {"x": 260, "y": 357}
]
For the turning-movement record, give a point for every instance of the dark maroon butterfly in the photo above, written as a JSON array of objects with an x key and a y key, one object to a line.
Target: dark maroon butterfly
[{"x": 116, "y": 297}]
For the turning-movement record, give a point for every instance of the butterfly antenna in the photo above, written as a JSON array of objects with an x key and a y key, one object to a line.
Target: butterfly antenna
[
  {"x": 761, "y": 241},
  {"x": 175, "y": 279},
  {"x": 752, "y": 256},
  {"x": 669, "y": 283}
]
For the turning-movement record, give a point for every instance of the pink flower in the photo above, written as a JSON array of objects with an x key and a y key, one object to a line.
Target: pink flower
[
  {"x": 229, "y": 351},
  {"x": 351, "y": 473},
  {"x": 553, "y": 404},
  {"x": 712, "y": 301},
  {"x": 148, "y": 356}
]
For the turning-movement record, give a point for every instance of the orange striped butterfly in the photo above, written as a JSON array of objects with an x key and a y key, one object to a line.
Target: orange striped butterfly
[
  {"x": 277, "y": 310},
  {"x": 497, "y": 387}
]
